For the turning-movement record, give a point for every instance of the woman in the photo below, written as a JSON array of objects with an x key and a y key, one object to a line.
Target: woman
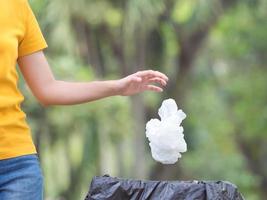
[{"x": 21, "y": 42}]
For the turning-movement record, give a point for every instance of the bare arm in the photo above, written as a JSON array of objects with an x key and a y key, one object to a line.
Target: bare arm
[{"x": 50, "y": 91}]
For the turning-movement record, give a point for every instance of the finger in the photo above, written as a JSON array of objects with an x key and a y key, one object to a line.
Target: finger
[
  {"x": 146, "y": 73},
  {"x": 151, "y": 73},
  {"x": 153, "y": 88},
  {"x": 160, "y": 74},
  {"x": 157, "y": 80}
]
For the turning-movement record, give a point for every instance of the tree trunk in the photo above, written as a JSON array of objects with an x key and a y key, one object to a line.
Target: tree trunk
[
  {"x": 138, "y": 109},
  {"x": 139, "y": 167}
]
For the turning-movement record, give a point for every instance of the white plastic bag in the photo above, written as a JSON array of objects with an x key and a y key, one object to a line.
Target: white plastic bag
[{"x": 166, "y": 138}]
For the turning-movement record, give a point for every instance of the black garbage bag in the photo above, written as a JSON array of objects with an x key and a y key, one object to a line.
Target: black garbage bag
[{"x": 109, "y": 188}]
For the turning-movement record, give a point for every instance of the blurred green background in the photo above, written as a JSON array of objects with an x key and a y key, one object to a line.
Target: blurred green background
[{"x": 215, "y": 54}]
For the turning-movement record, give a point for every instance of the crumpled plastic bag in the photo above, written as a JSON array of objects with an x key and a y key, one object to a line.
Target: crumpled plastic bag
[
  {"x": 166, "y": 138},
  {"x": 112, "y": 188}
]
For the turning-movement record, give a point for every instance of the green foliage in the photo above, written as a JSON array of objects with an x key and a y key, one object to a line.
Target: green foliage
[{"x": 184, "y": 10}]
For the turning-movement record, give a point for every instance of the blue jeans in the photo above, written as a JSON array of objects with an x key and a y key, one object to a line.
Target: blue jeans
[{"x": 21, "y": 178}]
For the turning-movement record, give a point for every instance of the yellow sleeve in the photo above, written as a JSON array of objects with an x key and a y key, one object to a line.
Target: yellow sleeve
[{"x": 33, "y": 39}]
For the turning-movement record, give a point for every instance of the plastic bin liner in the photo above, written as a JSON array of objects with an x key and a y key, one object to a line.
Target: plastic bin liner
[{"x": 110, "y": 188}]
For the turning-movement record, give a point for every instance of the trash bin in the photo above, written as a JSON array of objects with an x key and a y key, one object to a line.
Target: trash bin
[{"x": 109, "y": 188}]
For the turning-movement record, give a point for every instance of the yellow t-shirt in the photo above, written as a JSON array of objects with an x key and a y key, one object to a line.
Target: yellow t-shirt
[{"x": 20, "y": 35}]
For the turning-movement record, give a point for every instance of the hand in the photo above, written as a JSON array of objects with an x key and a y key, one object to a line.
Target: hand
[{"x": 141, "y": 81}]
